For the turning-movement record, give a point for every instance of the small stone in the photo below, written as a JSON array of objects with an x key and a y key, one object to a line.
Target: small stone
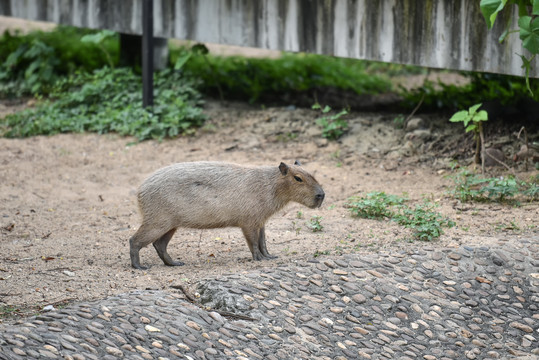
[
  {"x": 359, "y": 298},
  {"x": 114, "y": 351},
  {"x": 150, "y": 328},
  {"x": 142, "y": 350},
  {"x": 275, "y": 337},
  {"x": 521, "y": 327},
  {"x": 193, "y": 325}
]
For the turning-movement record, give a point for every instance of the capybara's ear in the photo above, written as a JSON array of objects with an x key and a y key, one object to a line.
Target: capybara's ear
[
  {"x": 297, "y": 163},
  {"x": 284, "y": 168}
]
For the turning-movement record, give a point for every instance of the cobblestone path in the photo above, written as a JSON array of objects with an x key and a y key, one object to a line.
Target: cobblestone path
[{"x": 428, "y": 303}]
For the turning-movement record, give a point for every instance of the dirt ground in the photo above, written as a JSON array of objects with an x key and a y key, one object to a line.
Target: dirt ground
[{"x": 68, "y": 204}]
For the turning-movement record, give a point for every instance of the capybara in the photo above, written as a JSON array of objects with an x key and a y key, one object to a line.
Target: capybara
[{"x": 207, "y": 195}]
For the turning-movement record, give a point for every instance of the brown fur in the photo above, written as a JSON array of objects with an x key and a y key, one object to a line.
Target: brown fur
[{"x": 205, "y": 195}]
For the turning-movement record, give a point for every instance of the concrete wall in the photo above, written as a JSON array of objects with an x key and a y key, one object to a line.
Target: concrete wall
[{"x": 435, "y": 33}]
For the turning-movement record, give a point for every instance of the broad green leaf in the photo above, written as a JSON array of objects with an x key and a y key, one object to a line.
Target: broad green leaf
[
  {"x": 471, "y": 127},
  {"x": 535, "y": 10},
  {"x": 529, "y": 33},
  {"x": 182, "y": 60},
  {"x": 491, "y": 8},
  {"x": 474, "y": 108},
  {"x": 481, "y": 116},
  {"x": 459, "y": 116}
]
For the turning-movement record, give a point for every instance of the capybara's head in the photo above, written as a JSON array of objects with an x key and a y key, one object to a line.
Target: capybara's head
[{"x": 300, "y": 186}]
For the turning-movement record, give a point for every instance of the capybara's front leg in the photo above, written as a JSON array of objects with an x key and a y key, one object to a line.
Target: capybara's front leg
[
  {"x": 251, "y": 235},
  {"x": 161, "y": 248},
  {"x": 262, "y": 244}
]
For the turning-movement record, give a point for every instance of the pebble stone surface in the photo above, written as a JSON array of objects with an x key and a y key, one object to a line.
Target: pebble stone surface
[{"x": 426, "y": 303}]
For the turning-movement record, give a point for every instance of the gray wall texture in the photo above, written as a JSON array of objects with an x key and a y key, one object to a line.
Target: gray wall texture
[{"x": 447, "y": 34}]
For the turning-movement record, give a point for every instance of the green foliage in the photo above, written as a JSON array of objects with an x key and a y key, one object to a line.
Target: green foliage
[
  {"x": 471, "y": 187},
  {"x": 374, "y": 205},
  {"x": 255, "y": 80},
  {"x": 470, "y": 118},
  {"x": 425, "y": 223},
  {"x": 111, "y": 101},
  {"x": 38, "y": 61},
  {"x": 98, "y": 39},
  {"x": 314, "y": 224},
  {"x": 32, "y": 63},
  {"x": 333, "y": 127},
  {"x": 528, "y": 24},
  {"x": 483, "y": 87}
]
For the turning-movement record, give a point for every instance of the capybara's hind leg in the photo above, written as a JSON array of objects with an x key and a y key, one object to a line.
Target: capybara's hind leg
[
  {"x": 262, "y": 244},
  {"x": 142, "y": 238},
  {"x": 161, "y": 248}
]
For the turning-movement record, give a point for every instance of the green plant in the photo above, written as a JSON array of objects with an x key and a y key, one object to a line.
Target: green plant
[
  {"x": 110, "y": 100},
  {"x": 471, "y": 187},
  {"x": 473, "y": 121},
  {"x": 318, "y": 253},
  {"x": 39, "y": 61},
  {"x": 528, "y": 24},
  {"x": 501, "y": 188},
  {"x": 425, "y": 223},
  {"x": 98, "y": 39},
  {"x": 314, "y": 224},
  {"x": 467, "y": 186},
  {"x": 33, "y": 62},
  {"x": 399, "y": 120},
  {"x": 333, "y": 127},
  {"x": 290, "y": 76},
  {"x": 482, "y": 87},
  {"x": 374, "y": 205}
]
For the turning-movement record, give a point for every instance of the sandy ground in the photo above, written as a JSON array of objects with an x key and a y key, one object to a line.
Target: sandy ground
[{"x": 68, "y": 204}]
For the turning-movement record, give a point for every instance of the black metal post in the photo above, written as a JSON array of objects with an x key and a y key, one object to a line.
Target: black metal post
[{"x": 147, "y": 53}]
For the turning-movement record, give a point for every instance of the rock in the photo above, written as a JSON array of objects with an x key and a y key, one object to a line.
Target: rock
[
  {"x": 493, "y": 157},
  {"x": 414, "y": 124},
  {"x": 418, "y": 136}
]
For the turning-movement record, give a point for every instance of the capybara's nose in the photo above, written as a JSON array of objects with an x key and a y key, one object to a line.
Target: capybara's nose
[{"x": 320, "y": 197}]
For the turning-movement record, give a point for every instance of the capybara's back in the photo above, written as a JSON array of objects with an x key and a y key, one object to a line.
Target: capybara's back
[{"x": 206, "y": 195}]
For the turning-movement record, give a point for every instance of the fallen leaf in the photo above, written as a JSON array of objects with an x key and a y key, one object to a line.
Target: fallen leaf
[{"x": 48, "y": 258}]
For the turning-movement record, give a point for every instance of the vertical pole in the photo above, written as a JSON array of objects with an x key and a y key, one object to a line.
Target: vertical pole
[{"x": 147, "y": 53}]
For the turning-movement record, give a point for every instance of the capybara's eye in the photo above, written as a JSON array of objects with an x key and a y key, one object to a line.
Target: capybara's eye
[{"x": 298, "y": 179}]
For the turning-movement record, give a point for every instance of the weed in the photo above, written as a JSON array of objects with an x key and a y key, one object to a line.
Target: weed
[
  {"x": 111, "y": 101},
  {"x": 314, "y": 224},
  {"x": 32, "y": 63},
  {"x": 258, "y": 80},
  {"x": 425, "y": 223},
  {"x": 333, "y": 127},
  {"x": 471, "y": 187},
  {"x": 398, "y": 121},
  {"x": 375, "y": 205},
  {"x": 501, "y": 188},
  {"x": 299, "y": 214},
  {"x": 296, "y": 228},
  {"x": 473, "y": 121},
  {"x": 318, "y": 253}
]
